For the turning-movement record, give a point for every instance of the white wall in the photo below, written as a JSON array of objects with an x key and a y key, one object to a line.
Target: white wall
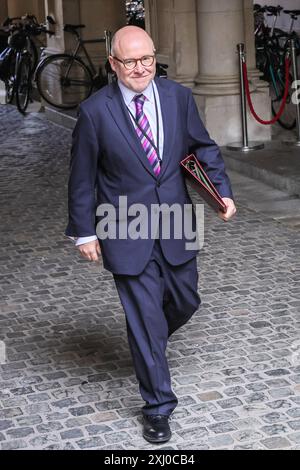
[{"x": 283, "y": 21}]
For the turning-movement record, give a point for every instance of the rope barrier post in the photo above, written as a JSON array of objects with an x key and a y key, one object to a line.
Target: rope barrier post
[
  {"x": 107, "y": 35},
  {"x": 297, "y": 104},
  {"x": 244, "y": 146}
]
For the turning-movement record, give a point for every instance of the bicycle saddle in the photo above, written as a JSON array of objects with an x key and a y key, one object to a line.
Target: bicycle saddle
[
  {"x": 292, "y": 12},
  {"x": 73, "y": 27},
  {"x": 258, "y": 8},
  {"x": 274, "y": 10}
]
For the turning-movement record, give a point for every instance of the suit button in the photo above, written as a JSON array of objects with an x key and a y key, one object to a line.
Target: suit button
[{"x": 158, "y": 184}]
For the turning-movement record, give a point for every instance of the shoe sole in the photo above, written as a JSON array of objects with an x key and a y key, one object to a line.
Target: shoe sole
[{"x": 157, "y": 441}]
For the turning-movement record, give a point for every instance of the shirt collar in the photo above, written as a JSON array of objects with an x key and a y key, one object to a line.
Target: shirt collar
[{"x": 128, "y": 95}]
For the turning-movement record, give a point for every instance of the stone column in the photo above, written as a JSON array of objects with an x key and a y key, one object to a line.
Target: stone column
[
  {"x": 220, "y": 29},
  {"x": 63, "y": 11},
  {"x": 172, "y": 25},
  {"x": 3, "y": 11},
  {"x": 21, "y": 7},
  {"x": 254, "y": 73},
  {"x": 96, "y": 15}
]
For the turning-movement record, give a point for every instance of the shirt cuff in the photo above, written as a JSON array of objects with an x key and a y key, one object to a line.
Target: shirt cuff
[{"x": 82, "y": 240}]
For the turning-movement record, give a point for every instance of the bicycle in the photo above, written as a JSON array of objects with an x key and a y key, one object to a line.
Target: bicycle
[
  {"x": 64, "y": 80},
  {"x": 272, "y": 48},
  {"x": 22, "y": 57},
  {"x": 288, "y": 119}
]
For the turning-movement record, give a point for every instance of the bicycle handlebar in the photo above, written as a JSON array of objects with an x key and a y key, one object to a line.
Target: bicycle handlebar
[{"x": 9, "y": 20}]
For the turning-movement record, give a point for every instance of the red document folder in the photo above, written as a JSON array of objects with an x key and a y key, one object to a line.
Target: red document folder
[{"x": 199, "y": 180}]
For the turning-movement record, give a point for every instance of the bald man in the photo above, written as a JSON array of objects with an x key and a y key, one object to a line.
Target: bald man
[{"x": 128, "y": 141}]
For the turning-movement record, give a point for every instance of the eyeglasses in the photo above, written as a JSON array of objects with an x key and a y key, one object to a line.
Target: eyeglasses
[{"x": 130, "y": 64}]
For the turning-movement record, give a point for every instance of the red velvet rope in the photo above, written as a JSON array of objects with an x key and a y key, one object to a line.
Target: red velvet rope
[{"x": 283, "y": 102}]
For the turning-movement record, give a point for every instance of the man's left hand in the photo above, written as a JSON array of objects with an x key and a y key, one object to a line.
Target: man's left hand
[{"x": 230, "y": 209}]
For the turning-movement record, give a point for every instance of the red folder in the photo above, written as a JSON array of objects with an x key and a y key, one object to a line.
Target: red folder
[{"x": 199, "y": 180}]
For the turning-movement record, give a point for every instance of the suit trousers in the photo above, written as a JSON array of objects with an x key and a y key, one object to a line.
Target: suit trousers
[{"x": 156, "y": 303}]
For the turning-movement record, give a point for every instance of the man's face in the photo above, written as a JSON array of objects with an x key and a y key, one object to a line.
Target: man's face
[{"x": 136, "y": 47}]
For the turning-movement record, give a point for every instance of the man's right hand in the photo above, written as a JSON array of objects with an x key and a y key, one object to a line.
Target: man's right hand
[{"x": 90, "y": 251}]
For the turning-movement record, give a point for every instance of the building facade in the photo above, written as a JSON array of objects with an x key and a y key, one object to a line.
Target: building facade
[{"x": 196, "y": 38}]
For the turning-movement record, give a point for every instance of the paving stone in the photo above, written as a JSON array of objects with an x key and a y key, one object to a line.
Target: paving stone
[
  {"x": 220, "y": 442},
  {"x": 281, "y": 392},
  {"x": 274, "y": 429},
  {"x": 6, "y": 424},
  {"x": 246, "y": 435},
  {"x": 49, "y": 427},
  {"x": 72, "y": 434},
  {"x": 193, "y": 433},
  {"x": 275, "y": 417},
  {"x": 230, "y": 403},
  {"x": 246, "y": 423},
  {"x": 14, "y": 444},
  {"x": 20, "y": 432},
  {"x": 294, "y": 413},
  {"x": 220, "y": 427},
  {"x": 208, "y": 396},
  {"x": 234, "y": 391},
  {"x": 93, "y": 442},
  {"x": 224, "y": 415},
  {"x": 252, "y": 446},
  {"x": 276, "y": 443},
  {"x": 10, "y": 412},
  {"x": 295, "y": 425},
  {"x": 29, "y": 420},
  {"x": 81, "y": 410}
]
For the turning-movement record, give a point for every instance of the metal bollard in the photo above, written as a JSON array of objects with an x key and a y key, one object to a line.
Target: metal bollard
[
  {"x": 297, "y": 104},
  {"x": 244, "y": 146},
  {"x": 107, "y": 35}
]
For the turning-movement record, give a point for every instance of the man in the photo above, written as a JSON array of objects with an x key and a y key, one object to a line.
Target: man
[{"x": 128, "y": 141}]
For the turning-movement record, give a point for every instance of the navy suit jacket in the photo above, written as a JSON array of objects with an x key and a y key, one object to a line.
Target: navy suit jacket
[{"x": 108, "y": 161}]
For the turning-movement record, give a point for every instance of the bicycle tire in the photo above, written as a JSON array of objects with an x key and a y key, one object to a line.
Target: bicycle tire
[
  {"x": 10, "y": 80},
  {"x": 288, "y": 118},
  {"x": 59, "y": 89},
  {"x": 23, "y": 83},
  {"x": 32, "y": 49},
  {"x": 9, "y": 91}
]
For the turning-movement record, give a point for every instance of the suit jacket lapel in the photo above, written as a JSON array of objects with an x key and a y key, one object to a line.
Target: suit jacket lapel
[
  {"x": 119, "y": 112},
  {"x": 169, "y": 116}
]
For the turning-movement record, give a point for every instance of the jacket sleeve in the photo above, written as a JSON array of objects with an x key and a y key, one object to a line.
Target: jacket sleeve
[
  {"x": 206, "y": 150},
  {"x": 82, "y": 179}
]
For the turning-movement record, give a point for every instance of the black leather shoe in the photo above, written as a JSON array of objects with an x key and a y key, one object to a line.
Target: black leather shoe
[{"x": 156, "y": 428}]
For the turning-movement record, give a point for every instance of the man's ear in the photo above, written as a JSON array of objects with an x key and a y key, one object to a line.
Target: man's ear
[{"x": 112, "y": 63}]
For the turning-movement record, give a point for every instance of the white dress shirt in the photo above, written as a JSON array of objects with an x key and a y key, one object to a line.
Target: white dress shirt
[{"x": 149, "y": 110}]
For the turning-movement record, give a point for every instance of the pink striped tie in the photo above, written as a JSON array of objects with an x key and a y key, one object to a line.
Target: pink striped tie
[{"x": 144, "y": 124}]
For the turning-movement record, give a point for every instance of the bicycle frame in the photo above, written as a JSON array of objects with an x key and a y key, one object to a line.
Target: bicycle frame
[
  {"x": 274, "y": 25},
  {"x": 81, "y": 46}
]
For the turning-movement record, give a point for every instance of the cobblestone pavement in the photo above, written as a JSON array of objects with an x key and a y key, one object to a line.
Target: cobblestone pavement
[{"x": 68, "y": 382}]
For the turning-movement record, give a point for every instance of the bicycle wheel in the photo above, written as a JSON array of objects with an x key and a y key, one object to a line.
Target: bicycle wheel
[
  {"x": 64, "y": 81},
  {"x": 9, "y": 90},
  {"x": 23, "y": 83},
  {"x": 10, "y": 80},
  {"x": 288, "y": 117},
  {"x": 32, "y": 49}
]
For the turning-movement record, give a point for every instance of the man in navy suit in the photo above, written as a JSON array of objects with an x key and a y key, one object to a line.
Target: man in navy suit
[{"x": 128, "y": 141}]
